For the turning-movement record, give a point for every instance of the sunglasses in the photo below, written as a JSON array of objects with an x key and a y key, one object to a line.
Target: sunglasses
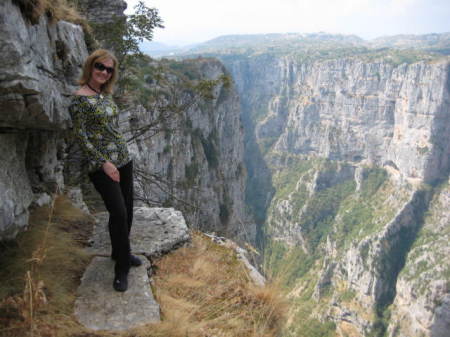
[{"x": 100, "y": 66}]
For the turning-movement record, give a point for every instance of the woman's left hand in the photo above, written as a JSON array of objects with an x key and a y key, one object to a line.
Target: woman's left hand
[{"x": 112, "y": 171}]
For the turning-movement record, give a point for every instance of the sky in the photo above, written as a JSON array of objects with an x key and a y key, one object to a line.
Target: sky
[{"x": 194, "y": 21}]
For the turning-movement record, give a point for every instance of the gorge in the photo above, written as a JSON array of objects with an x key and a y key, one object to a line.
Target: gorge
[
  {"x": 352, "y": 169},
  {"x": 329, "y": 153}
]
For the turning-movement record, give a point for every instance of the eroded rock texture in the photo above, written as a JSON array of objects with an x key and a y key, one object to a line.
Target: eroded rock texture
[
  {"x": 39, "y": 66},
  {"x": 351, "y": 146}
]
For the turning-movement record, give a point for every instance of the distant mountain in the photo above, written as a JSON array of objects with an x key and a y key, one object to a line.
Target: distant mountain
[
  {"x": 274, "y": 43},
  {"x": 410, "y": 40},
  {"x": 439, "y": 43},
  {"x": 314, "y": 45},
  {"x": 234, "y": 41}
]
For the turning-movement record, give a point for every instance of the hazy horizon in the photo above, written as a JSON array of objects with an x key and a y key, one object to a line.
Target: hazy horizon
[
  {"x": 244, "y": 34},
  {"x": 198, "y": 21}
]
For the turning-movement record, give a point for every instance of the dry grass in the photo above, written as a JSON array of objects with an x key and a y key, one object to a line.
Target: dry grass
[
  {"x": 203, "y": 289},
  {"x": 54, "y": 9},
  {"x": 40, "y": 270}
]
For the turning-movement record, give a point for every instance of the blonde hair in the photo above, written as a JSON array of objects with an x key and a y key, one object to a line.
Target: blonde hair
[{"x": 98, "y": 56}]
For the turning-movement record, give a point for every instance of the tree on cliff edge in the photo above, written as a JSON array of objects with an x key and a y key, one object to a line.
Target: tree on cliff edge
[{"x": 123, "y": 34}]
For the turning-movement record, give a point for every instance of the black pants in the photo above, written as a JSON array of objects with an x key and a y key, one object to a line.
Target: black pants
[{"x": 118, "y": 199}]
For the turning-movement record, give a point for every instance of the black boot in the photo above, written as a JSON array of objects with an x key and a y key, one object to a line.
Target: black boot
[
  {"x": 135, "y": 261},
  {"x": 120, "y": 281}
]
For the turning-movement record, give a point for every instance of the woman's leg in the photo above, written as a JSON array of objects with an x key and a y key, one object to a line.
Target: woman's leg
[
  {"x": 111, "y": 194},
  {"x": 126, "y": 185}
]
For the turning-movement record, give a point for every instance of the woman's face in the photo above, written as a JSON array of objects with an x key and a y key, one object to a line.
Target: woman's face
[{"x": 102, "y": 76}]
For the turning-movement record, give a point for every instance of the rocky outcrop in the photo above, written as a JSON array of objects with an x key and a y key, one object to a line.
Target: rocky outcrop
[
  {"x": 107, "y": 19},
  {"x": 40, "y": 64},
  {"x": 98, "y": 306},
  {"x": 422, "y": 301},
  {"x": 103, "y": 11},
  {"x": 243, "y": 255},
  {"x": 155, "y": 231},
  {"x": 16, "y": 193}
]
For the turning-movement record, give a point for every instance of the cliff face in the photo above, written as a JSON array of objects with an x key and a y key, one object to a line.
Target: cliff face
[
  {"x": 351, "y": 110},
  {"x": 102, "y": 11},
  {"x": 422, "y": 302},
  {"x": 39, "y": 67},
  {"x": 352, "y": 146},
  {"x": 373, "y": 112},
  {"x": 196, "y": 159}
]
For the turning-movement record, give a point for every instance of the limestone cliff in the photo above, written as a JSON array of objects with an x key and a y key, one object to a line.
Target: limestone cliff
[
  {"x": 358, "y": 148},
  {"x": 40, "y": 63},
  {"x": 193, "y": 158},
  {"x": 422, "y": 302},
  {"x": 351, "y": 110}
]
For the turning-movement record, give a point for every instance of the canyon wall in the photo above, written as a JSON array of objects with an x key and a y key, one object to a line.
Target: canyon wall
[
  {"x": 39, "y": 69},
  {"x": 195, "y": 159},
  {"x": 359, "y": 156}
]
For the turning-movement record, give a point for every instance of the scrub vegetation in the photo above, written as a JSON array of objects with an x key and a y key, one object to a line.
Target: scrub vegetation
[{"x": 317, "y": 204}]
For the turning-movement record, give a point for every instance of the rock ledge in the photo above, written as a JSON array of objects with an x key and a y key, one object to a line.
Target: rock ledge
[{"x": 98, "y": 306}]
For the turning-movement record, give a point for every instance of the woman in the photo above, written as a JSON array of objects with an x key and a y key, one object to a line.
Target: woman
[{"x": 95, "y": 124}]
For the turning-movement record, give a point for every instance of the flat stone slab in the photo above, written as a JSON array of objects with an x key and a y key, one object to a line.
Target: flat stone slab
[
  {"x": 100, "y": 307},
  {"x": 154, "y": 231}
]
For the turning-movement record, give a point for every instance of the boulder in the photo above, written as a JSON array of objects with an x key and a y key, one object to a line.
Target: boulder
[
  {"x": 98, "y": 306},
  {"x": 155, "y": 231}
]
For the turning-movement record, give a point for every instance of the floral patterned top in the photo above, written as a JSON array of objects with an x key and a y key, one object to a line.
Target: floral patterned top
[{"x": 95, "y": 125}]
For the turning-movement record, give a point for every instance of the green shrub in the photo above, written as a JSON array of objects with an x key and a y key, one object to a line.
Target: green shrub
[{"x": 375, "y": 179}]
